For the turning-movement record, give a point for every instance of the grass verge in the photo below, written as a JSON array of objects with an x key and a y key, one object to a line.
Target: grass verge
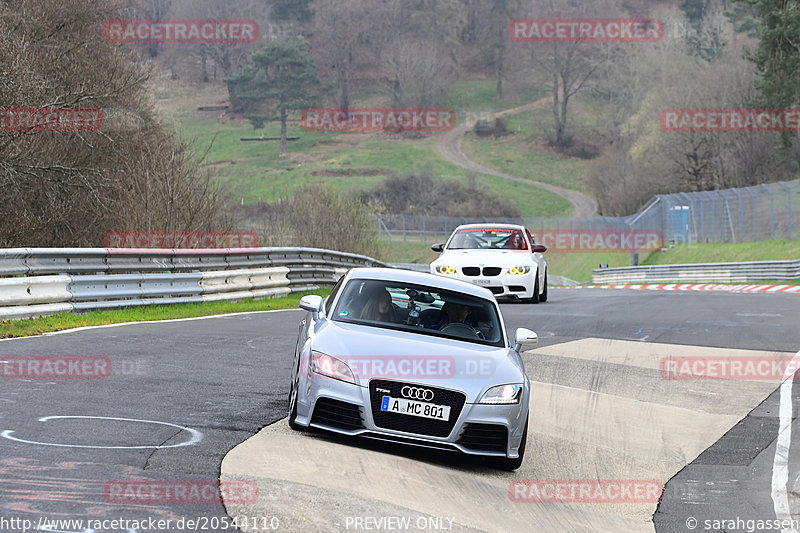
[
  {"x": 726, "y": 253},
  {"x": 62, "y": 321}
]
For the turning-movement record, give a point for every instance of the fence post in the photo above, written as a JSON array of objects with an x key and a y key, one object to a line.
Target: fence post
[
  {"x": 788, "y": 211},
  {"x": 713, "y": 221},
  {"x": 771, "y": 214},
  {"x": 741, "y": 215}
]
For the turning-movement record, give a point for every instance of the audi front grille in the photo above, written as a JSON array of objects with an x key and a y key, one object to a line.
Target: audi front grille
[{"x": 414, "y": 424}]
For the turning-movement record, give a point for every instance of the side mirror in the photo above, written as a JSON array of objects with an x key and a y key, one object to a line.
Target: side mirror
[
  {"x": 539, "y": 248},
  {"x": 438, "y": 247},
  {"x": 525, "y": 337},
  {"x": 312, "y": 303}
]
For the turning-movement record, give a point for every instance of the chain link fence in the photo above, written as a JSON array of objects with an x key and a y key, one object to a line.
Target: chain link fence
[{"x": 763, "y": 212}]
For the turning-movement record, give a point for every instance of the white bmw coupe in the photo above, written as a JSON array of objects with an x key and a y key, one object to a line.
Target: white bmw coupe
[{"x": 504, "y": 258}]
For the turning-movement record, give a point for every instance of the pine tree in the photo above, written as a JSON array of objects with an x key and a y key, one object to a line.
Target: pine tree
[
  {"x": 280, "y": 78},
  {"x": 777, "y": 56}
]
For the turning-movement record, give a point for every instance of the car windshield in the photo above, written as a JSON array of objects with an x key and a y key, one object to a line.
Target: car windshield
[
  {"x": 488, "y": 239},
  {"x": 419, "y": 309}
]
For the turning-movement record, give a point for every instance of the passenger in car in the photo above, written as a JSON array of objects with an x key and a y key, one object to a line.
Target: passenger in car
[{"x": 379, "y": 307}]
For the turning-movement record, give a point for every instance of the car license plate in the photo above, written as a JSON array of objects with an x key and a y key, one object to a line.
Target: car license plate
[
  {"x": 415, "y": 408},
  {"x": 482, "y": 281}
]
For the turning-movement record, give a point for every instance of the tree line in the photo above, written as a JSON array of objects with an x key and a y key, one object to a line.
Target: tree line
[{"x": 67, "y": 188}]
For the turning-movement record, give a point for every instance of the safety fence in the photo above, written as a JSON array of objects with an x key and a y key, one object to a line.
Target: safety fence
[
  {"x": 43, "y": 281},
  {"x": 763, "y": 212},
  {"x": 700, "y": 273}
]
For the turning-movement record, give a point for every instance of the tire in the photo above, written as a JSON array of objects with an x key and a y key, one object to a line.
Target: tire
[
  {"x": 543, "y": 297},
  {"x": 535, "y": 299},
  {"x": 293, "y": 406},
  {"x": 505, "y": 463}
]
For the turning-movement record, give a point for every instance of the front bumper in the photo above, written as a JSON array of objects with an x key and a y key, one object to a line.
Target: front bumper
[
  {"x": 503, "y": 285},
  {"x": 476, "y": 431}
]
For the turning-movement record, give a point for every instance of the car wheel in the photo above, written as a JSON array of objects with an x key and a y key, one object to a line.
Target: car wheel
[
  {"x": 535, "y": 299},
  {"x": 293, "y": 406},
  {"x": 543, "y": 297},
  {"x": 513, "y": 464}
]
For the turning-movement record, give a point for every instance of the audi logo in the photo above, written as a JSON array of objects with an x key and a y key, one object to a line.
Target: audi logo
[{"x": 417, "y": 393}]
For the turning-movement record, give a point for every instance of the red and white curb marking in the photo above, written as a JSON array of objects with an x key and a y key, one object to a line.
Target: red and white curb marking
[{"x": 696, "y": 287}]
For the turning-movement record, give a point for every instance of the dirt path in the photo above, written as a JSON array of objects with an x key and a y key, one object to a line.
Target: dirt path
[{"x": 449, "y": 145}]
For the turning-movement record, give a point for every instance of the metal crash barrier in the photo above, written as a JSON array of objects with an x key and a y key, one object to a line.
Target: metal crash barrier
[{"x": 44, "y": 281}]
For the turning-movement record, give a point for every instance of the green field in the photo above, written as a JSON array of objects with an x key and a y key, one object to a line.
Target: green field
[
  {"x": 62, "y": 321},
  {"x": 478, "y": 96},
  {"x": 345, "y": 161},
  {"x": 523, "y": 154}
]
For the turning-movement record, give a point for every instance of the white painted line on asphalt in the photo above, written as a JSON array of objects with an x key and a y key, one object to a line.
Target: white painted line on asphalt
[
  {"x": 780, "y": 464},
  {"x": 196, "y": 435},
  {"x": 82, "y": 328}
]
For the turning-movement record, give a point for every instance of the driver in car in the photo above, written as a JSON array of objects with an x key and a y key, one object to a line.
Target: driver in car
[{"x": 455, "y": 313}]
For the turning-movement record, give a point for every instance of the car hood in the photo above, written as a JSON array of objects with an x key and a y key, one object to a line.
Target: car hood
[
  {"x": 487, "y": 258},
  {"x": 375, "y": 353}
]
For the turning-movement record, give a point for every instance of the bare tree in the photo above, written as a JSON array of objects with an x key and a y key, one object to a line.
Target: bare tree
[
  {"x": 647, "y": 160},
  {"x": 156, "y": 9},
  {"x": 416, "y": 73},
  {"x": 344, "y": 42},
  {"x": 66, "y": 188},
  {"x": 215, "y": 61},
  {"x": 566, "y": 68}
]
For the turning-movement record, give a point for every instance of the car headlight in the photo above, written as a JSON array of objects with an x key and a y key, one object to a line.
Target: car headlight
[
  {"x": 502, "y": 394},
  {"x": 444, "y": 269},
  {"x": 331, "y": 367},
  {"x": 517, "y": 270}
]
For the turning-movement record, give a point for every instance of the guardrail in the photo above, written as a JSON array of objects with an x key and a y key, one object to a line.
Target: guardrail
[
  {"x": 700, "y": 273},
  {"x": 44, "y": 281}
]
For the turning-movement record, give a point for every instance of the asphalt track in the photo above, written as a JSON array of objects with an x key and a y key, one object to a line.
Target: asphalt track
[{"x": 602, "y": 410}]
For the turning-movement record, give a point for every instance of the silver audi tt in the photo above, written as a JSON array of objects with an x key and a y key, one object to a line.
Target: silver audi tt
[{"x": 412, "y": 358}]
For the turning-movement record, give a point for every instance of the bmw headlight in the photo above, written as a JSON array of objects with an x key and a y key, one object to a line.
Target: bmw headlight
[
  {"x": 331, "y": 367},
  {"x": 445, "y": 269},
  {"x": 518, "y": 270},
  {"x": 502, "y": 394}
]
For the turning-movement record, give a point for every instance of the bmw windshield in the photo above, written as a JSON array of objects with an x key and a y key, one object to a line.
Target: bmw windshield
[{"x": 487, "y": 239}]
